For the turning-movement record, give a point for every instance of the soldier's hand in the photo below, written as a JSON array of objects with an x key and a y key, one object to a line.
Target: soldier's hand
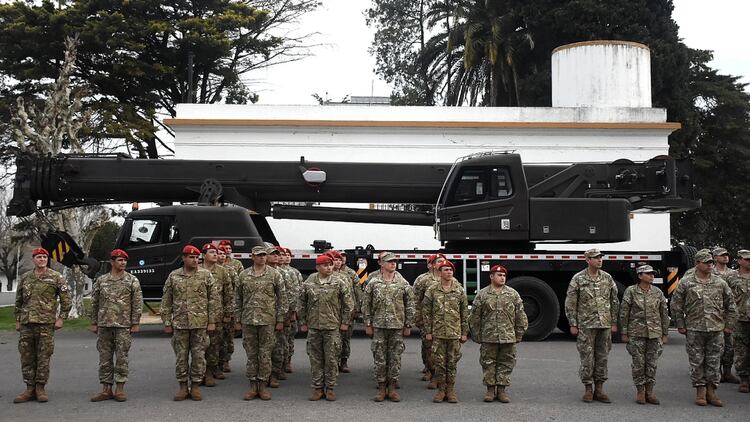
[
  {"x": 294, "y": 316},
  {"x": 227, "y": 319},
  {"x": 625, "y": 338},
  {"x": 519, "y": 339},
  {"x": 428, "y": 337},
  {"x": 682, "y": 331},
  {"x": 664, "y": 339},
  {"x": 93, "y": 328},
  {"x": 211, "y": 328},
  {"x": 369, "y": 331},
  {"x": 728, "y": 330},
  {"x": 463, "y": 339},
  {"x": 574, "y": 331},
  {"x": 58, "y": 323},
  {"x": 238, "y": 327},
  {"x": 303, "y": 328},
  {"x": 18, "y": 326},
  {"x": 279, "y": 326},
  {"x": 407, "y": 331},
  {"x": 135, "y": 328},
  {"x": 344, "y": 327},
  {"x": 614, "y": 328},
  {"x": 168, "y": 329}
]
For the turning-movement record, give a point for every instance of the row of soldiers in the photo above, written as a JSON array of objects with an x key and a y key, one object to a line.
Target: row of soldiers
[{"x": 203, "y": 304}]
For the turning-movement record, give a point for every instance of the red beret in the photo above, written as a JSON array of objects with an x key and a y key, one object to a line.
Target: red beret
[
  {"x": 447, "y": 264},
  {"x": 190, "y": 250},
  {"x": 39, "y": 251},
  {"x": 499, "y": 269},
  {"x": 118, "y": 253},
  {"x": 433, "y": 258},
  {"x": 225, "y": 243},
  {"x": 223, "y": 248},
  {"x": 334, "y": 254},
  {"x": 208, "y": 246},
  {"x": 323, "y": 259}
]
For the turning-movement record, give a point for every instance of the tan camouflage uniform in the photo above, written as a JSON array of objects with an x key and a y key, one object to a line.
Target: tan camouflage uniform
[
  {"x": 727, "y": 356},
  {"x": 227, "y": 337},
  {"x": 188, "y": 305},
  {"x": 324, "y": 306},
  {"x": 281, "y": 345},
  {"x": 498, "y": 322},
  {"x": 37, "y": 299},
  {"x": 290, "y": 331},
  {"x": 421, "y": 284},
  {"x": 225, "y": 293},
  {"x": 445, "y": 314},
  {"x": 740, "y": 286},
  {"x": 644, "y": 318},
  {"x": 116, "y": 305},
  {"x": 592, "y": 306},
  {"x": 350, "y": 276}
]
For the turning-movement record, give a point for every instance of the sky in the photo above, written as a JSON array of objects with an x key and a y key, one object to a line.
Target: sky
[{"x": 341, "y": 65}]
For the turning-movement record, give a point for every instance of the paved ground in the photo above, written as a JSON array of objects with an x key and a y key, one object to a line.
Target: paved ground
[{"x": 545, "y": 388}]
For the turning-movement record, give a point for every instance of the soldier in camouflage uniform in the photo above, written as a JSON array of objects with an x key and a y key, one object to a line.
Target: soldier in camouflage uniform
[
  {"x": 421, "y": 284},
  {"x": 290, "y": 330},
  {"x": 445, "y": 313},
  {"x": 281, "y": 346},
  {"x": 190, "y": 308},
  {"x": 261, "y": 309},
  {"x": 740, "y": 285},
  {"x": 644, "y": 319},
  {"x": 721, "y": 269},
  {"x": 591, "y": 307},
  {"x": 225, "y": 294},
  {"x": 116, "y": 306},
  {"x": 350, "y": 277},
  {"x": 388, "y": 311},
  {"x": 325, "y": 307},
  {"x": 37, "y": 297},
  {"x": 227, "y": 336},
  {"x": 703, "y": 309},
  {"x": 497, "y": 322}
]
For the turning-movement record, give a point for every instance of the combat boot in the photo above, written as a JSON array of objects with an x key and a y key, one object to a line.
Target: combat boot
[
  {"x": 440, "y": 394},
  {"x": 252, "y": 392},
  {"x": 588, "y": 394},
  {"x": 426, "y": 376},
  {"x": 343, "y": 367},
  {"x": 288, "y": 368},
  {"x": 650, "y": 396},
  {"x": 27, "y": 395},
  {"x": 219, "y": 374},
  {"x": 599, "y": 394},
  {"x": 209, "y": 381},
  {"x": 105, "y": 394},
  {"x": 392, "y": 393},
  {"x": 41, "y": 395},
  {"x": 316, "y": 395},
  {"x": 744, "y": 385},
  {"x": 380, "y": 396},
  {"x": 502, "y": 394},
  {"x": 700, "y": 396},
  {"x": 489, "y": 396},
  {"x": 263, "y": 393},
  {"x": 450, "y": 392},
  {"x": 274, "y": 382},
  {"x": 640, "y": 395},
  {"x": 433, "y": 384},
  {"x": 120, "y": 392},
  {"x": 711, "y": 396},
  {"x": 182, "y": 393},
  {"x": 330, "y": 394},
  {"x": 728, "y": 376},
  {"x": 226, "y": 367},
  {"x": 281, "y": 375},
  {"x": 195, "y": 392}
]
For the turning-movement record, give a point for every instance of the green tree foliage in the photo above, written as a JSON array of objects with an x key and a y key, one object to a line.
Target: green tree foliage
[{"x": 104, "y": 241}]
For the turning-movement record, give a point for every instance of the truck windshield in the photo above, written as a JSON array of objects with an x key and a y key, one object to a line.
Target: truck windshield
[{"x": 480, "y": 184}]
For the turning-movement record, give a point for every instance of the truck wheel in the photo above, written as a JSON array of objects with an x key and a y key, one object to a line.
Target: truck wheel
[{"x": 540, "y": 304}]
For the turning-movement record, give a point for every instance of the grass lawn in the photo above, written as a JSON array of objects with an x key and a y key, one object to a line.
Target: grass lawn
[{"x": 8, "y": 320}]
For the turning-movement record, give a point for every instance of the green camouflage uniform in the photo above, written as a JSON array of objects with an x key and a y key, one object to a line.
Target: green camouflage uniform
[
  {"x": 188, "y": 305},
  {"x": 227, "y": 338},
  {"x": 290, "y": 330},
  {"x": 445, "y": 314},
  {"x": 36, "y": 310},
  {"x": 281, "y": 345},
  {"x": 644, "y": 318},
  {"x": 740, "y": 286},
  {"x": 592, "y": 306},
  {"x": 727, "y": 356},
  {"x": 116, "y": 305},
  {"x": 261, "y": 304},
  {"x": 324, "y": 305},
  {"x": 498, "y": 322},
  {"x": 705, "y": 310},
  {"x": 388, "y": 306},
  {"x": 421, "y": 284},
  {"x": 225, "y": 293},
  {"x": 349, "y": 276}
]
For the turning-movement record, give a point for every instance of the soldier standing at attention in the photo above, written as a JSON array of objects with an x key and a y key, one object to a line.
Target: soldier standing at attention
[
  {"x": 280, "y": 348},
  {"x": 421, "y": 284},
  {"x": 703, "y": 310},
  {"x": 721, "y": 259},
  {"x": 644, "y": 319},
  {"x": 740, "y": 285},
  {"x": 445, "y": 311},
  {"x": 116, "y": 306},
  {"x": 291, "y": 330},
  {"x": 225, "y": 294},
  {"x": 497, "y": 322},
  {"x": 388, "y": 309},
  {"x": 37, "y": 297},
  {"x": 235, "y": 264},
  {"x": 349, "y": 277},
  {"x": 324, "y": 309},
  {"x": 591, "y": 307},
  {"x": 189, "y": 310},
  {"x": 227, "y": 335},
  {"x": 261, "y": 308}
]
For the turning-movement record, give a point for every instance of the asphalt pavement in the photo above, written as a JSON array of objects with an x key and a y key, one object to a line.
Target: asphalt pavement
[{"x": 545, "y": 387}]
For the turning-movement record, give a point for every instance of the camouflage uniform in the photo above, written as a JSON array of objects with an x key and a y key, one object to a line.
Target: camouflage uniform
[
  {"x": 324, "y": 305},
  {"x": 388, "y": 306},
  {"x": 727, "y": 357},
  {"x": 234, "y": 264},
  {"x": 740, "y": 286},
  {"x": 37, "y": 298},
  {"x": 350, "y": 277},
  {"x": 227, "y": 337},
  {"x": 705, "y": 310},
  {"x": 644, "y": 318},
  {"x": 225, "y": 293},
  {"x": 116, "y": 305},
  {"x": 281, "y": 345},
  {"x": 290, "y": 331},
  {"x": 498, "y": 322},
  {"x": 445, "y": 314},
  {"x": 261, "y": 304},
  {"x": 421, "y": 284},
  {"x": 188, "y": 305},
  {"x": 592, "y": 306}
]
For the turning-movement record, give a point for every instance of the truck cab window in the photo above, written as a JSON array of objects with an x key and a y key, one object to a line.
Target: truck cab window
[
  {"x": 502, "y": 188},
  {"x": 144, "y": 231},
  {"x": 174, "y": 232},
  {"x": 471, "y": 187}
]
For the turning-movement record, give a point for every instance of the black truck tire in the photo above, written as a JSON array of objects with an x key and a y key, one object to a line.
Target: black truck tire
[{"x": 540, "y": 304}]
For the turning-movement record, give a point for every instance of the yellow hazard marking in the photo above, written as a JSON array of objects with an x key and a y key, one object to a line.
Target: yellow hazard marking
[
  {"x": 673, "y": 281},
  {"x": 362, "y": 274}
]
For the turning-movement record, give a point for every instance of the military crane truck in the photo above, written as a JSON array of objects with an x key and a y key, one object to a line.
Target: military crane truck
[{"x": 485, "y": 209}]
